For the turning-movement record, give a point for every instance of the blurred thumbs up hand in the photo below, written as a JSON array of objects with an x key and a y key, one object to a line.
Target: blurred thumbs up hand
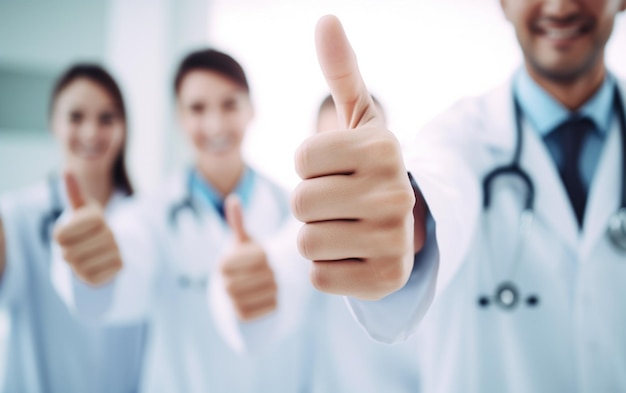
[
  {"x": 87, "y": 243},
  {"x": 248, "y": 278}
]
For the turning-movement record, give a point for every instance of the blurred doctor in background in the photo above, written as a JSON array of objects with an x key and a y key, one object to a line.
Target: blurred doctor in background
[
  {"x": 199, "y": 261},
  {"x": 49, "y": 350}
]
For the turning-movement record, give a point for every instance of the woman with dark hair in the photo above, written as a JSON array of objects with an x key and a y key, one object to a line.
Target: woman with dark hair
[
  {"x": 49, "y": 349},
  {"x": 206, "y": 282}
]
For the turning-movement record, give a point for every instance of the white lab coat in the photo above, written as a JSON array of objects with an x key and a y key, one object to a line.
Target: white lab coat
[
  {"x": 574, "y": 340},
  {"x": 196, "y": 344},
  {"x": 346, "y": 360},
  {"x": 49, "y": 350}
]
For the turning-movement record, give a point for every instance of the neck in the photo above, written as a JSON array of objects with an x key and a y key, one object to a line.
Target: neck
[
  {"x": 99, "y": 188},
  {"x": 572, "y": 94},
  {"x": 223, "y": 177}
]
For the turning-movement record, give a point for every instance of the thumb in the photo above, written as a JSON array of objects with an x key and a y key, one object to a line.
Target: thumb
[
  {"x": 74, "y": 194},
  {"x": 234, "y": 217},
  {"x": 341, "y": 71}
]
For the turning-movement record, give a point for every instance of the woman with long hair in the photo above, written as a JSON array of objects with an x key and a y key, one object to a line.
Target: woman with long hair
[{"x": 49, "y": 350}]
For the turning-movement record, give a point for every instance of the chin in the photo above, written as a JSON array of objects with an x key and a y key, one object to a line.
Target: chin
[
  {"x": 561, "y": 70},
  {"x": 90, "y": 167}
]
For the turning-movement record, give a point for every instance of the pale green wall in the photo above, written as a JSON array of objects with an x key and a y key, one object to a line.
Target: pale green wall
[{"x": 38, "y": 39}]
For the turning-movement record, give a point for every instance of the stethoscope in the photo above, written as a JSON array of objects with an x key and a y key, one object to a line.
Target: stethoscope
[
  {"x": 507, "y": 295},
  {"x": 186, "y": 202},
  {"x": 185, "y": 280}
]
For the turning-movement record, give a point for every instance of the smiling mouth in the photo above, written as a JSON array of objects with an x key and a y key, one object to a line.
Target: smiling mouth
[
  {"x": 564, "y": 30},
  {"x": 218, "y": 145},
  {"x": 90, "y": 150}
]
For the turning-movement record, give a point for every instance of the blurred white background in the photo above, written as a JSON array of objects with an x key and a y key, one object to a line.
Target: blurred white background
[{"x": 417, "y": 57}]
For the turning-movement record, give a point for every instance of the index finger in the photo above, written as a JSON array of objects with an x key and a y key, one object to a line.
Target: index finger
[{"x": 341, "y": 71}]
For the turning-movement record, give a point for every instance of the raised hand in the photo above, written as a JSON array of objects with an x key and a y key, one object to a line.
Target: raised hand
[
  {"x": 86, "y": 240},
  {"x": 248, "y": 277},
  {"x": 355, "y": 197}
]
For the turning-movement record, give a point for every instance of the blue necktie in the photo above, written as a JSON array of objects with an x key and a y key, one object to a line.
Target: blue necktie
[
  {"x": 219, "y": 206},
  {"x": 571, "y": 135}
]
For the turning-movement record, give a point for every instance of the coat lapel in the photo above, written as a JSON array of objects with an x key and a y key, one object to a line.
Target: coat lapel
[
  {"x": 605, "y": 191},
  {"x": 552, "y": 206}
]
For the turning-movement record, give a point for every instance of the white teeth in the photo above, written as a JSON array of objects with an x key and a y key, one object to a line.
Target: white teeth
[
  {"x": 219, "y": 144},
  {"x": 562, "y": 33},
  {"x": 90, "y": 150}
]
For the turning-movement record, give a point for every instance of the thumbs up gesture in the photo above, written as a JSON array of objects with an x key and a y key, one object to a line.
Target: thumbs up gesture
[
  {"x": 87, "y": 242},
  {"x": 248, "y": 277},
  {"x": 355, "y": 197}
]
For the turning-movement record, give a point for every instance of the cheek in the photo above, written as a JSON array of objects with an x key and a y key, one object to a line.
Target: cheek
[
  {"x": 116, "y": 141},
  {"x": 191, "y": 127},
  {"x": 193, "y": 133},
  {"x": 65, "y": 134},
  {"x": 240, "y": 125}
]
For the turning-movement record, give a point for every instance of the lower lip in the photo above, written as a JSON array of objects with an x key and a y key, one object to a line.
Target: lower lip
[
  {"x": 90, "y": 156},
  {"x": 222, "y": 149},
  {"x": 562, "y": 42}
]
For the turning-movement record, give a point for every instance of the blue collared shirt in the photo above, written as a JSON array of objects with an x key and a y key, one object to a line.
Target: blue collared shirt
[
  {"x": 203, "y": 190},
  {"x": 545, "y": 114}
]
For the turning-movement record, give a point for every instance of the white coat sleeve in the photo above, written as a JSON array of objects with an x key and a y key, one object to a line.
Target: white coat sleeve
[
  {"x": 128, "y": 297},
  {"x": 445, "y": 160},
  {"x": 294, "y": 290},
  {"x": 13, "y": 279}
]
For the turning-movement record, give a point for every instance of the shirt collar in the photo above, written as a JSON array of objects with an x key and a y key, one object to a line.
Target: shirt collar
[
  {"x": 545, "y": 113},
  {"x": 206, "y": 192}
]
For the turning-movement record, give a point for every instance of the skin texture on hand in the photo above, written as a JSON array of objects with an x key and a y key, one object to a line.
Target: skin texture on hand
[
  {"x": 248, "y": 277},
  {"x": 3, "y": 249},
  {"x": 88, "y": 244},
  {"x": 355, "y": 197}
]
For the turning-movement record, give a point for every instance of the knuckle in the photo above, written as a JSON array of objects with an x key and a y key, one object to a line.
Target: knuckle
[
  {"x": 98, "y": 223},
  {"x": 319, "y": 279},
  {"x": 243, "y": 313},
  {"x": 298, "y": 206},
  {"x": 226, "y": 266},
  {"x": 69, "y": 255},
  {"x": 272, "y": 305},
  {"x": 403, "y": 198},
  {"x": 60, "y": 235},
  {"x": 304, "y": 242},
  {"x": 383, "y": 147},
  {"x": 302, "y": 159},
  {"x": 117, "y": 264},
  {"x": 394, "y": 205},
  {"x": 273, "y": 289},
  {"x": 108, "y": 235},
  {"x": 86, "y": 277},
  {"x": 397, "y": 241},
  {"x": 231, "y": 289},
  {"x": 392, "y": 274}
]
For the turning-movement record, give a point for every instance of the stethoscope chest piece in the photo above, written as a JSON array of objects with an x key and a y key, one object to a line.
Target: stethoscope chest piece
[
  {"x": 617, "y": 229},
  {"x": 507, "y": 295}
]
